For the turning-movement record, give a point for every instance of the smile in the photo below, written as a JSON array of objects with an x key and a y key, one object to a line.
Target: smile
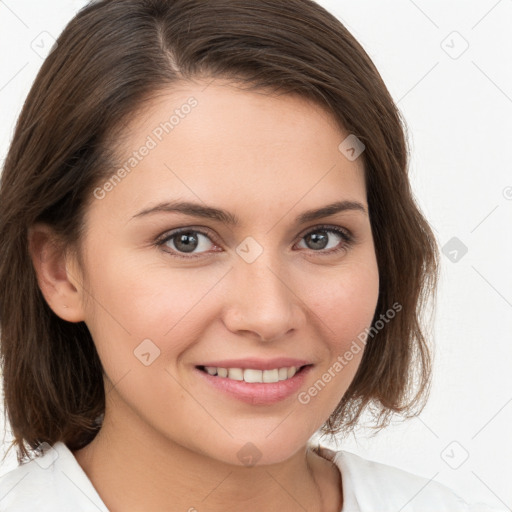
[
  {"x": 252, "y": 375},
  {"x": 255, "y": 386}
]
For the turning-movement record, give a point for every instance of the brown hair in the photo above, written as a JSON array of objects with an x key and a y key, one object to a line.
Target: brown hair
[{"x": 110, "y": 59}]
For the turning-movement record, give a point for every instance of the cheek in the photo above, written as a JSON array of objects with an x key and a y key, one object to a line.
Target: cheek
[
  {"x": 158, "y": 304},
  {"x": 343, "y": 311},
  {"x": 346, "y": 304}
]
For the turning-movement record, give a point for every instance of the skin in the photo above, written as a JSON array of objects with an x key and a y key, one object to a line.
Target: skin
[{"x": 169, "y": 441}]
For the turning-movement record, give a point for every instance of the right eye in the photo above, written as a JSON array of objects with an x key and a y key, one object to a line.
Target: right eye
[{"x": 185, "y": 241}]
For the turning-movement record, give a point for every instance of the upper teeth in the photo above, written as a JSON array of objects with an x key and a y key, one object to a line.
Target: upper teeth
[{"x": 250, "y": 375}]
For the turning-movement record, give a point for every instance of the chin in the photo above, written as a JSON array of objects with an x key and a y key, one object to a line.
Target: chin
[{"x": 259, "y": 450}]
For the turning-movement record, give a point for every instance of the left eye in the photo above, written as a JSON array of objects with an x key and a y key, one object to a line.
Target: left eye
[
  {"x": 186, "y": 241},
  {"x": 319, "y": 238}
]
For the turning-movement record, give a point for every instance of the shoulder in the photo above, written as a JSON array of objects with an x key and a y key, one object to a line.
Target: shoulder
[
  {"x": 49, "y": 482},
  {"x": 370, "y": 486}
]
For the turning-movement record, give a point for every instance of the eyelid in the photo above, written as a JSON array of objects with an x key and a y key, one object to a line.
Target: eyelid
[
  {"x": 319, "y": 227},
  {"x": 174, "y": 232}
]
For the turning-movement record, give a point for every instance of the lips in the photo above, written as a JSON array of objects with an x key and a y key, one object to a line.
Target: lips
[{"x": 255, "y": 392}]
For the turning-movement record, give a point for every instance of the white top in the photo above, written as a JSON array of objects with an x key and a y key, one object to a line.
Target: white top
[{"x": 55, "y": 482}]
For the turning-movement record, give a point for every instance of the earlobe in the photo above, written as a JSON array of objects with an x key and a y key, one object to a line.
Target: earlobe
[{"x": 55, "y": 280}]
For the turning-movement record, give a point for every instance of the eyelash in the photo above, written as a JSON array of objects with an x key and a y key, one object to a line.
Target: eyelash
[{"x": 346, "y": 236}]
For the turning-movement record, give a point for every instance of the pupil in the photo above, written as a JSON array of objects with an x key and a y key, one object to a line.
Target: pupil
[
  {"x": 316, "y": 238},
  {"x": 187, "y": 246}
]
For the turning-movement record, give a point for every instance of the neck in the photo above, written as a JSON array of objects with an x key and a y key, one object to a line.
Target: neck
[{"x": 136, "y": 469}]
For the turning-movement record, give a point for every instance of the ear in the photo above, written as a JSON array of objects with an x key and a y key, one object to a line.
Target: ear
[{"x": 57, "y": 274}]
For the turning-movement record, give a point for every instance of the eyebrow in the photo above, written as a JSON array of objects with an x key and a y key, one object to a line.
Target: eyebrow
[{"x": 209, "y": 212}]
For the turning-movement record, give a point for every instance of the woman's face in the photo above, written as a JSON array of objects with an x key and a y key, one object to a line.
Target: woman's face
[{"x": 276, "y": 289}]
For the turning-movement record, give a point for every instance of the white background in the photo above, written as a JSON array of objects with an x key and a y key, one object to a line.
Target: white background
[{"x": 458, "y": 107}]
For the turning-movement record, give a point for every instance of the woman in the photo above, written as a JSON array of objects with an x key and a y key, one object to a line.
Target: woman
[{"x": 220, "y": 256}]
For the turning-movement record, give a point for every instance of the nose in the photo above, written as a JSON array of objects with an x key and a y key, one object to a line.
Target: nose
[{"x": 263, "y": 300}]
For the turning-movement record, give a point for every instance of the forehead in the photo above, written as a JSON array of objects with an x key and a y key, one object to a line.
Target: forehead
[{"x": 219, "y": 143}]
